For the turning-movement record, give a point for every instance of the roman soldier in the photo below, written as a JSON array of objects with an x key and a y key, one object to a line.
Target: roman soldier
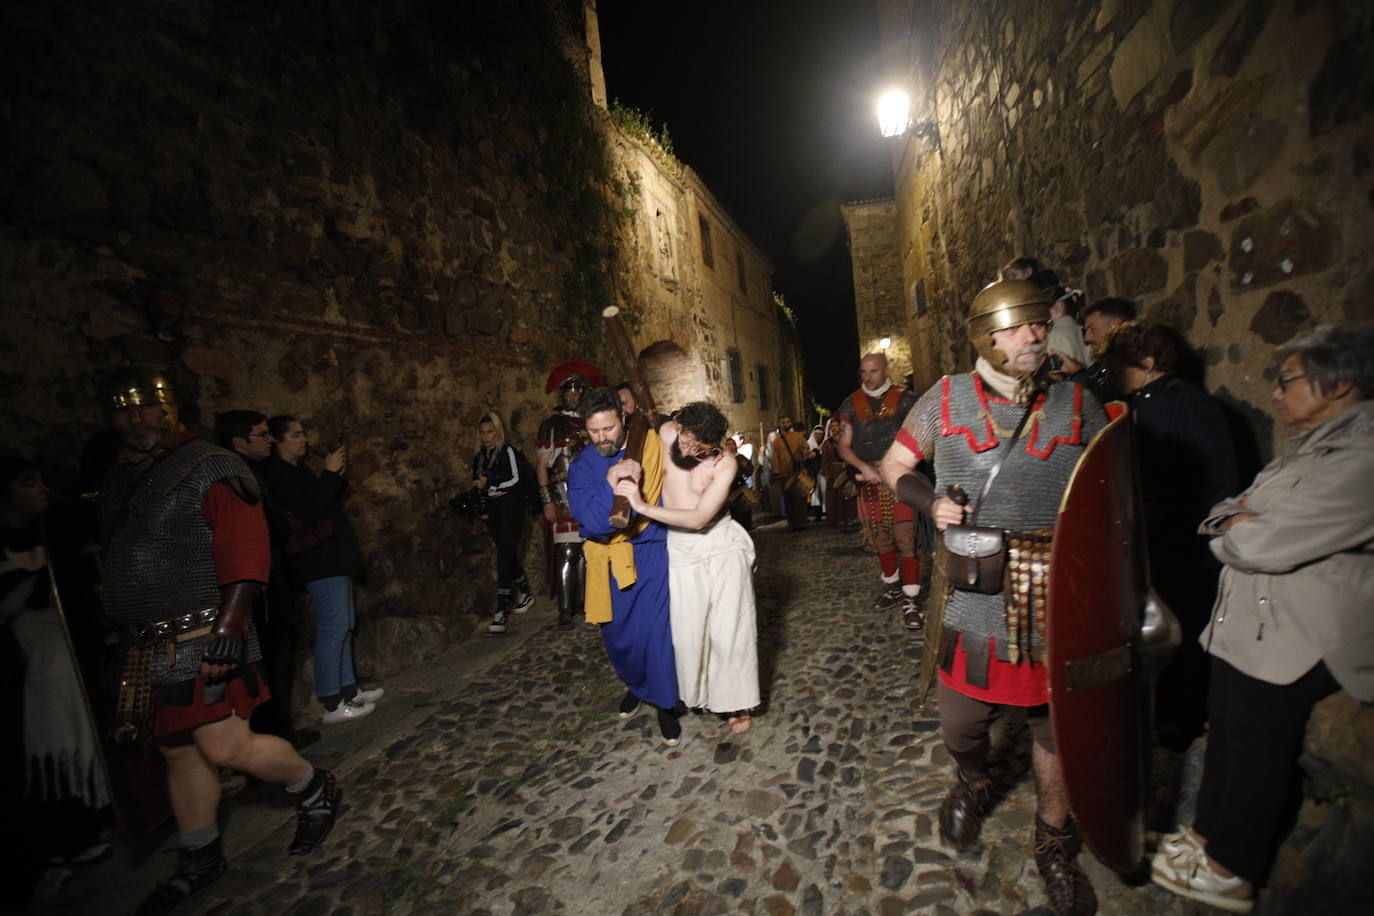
[
  {"x": 869, "y": 421},
  {"x": 1004, "y": 443},
  {"x": 186, "y": 554},
  {"x": 558, "y": 441}
]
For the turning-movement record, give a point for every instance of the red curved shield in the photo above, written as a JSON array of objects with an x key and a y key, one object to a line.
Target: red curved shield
[{"x": 1098, "y": 704}]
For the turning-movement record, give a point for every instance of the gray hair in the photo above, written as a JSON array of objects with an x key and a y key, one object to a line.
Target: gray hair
[{"x": 1336, "y": 353}]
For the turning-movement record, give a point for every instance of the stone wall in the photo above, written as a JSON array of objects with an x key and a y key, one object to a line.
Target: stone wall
[
  {"x": 386, "y": 219},
  {"x": 1209, "y": 160},
  {"x": 879, "y": 303}
]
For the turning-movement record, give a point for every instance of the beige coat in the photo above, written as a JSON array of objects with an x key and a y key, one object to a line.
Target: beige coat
[{"x": 1298, "y": 585}]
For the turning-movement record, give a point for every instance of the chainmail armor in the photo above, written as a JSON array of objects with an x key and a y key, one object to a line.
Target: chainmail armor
[
  {"x": 1028, "y": 488},
  {"x": 159, "y": 560},
  {"x": 560, "y": 438},
  {"x": 872, "y": 437}
]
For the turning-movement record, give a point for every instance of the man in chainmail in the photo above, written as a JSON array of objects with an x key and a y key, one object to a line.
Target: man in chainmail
[
  {"x": 559, "y": 439},
  {"x": 1009, "y": 440},
  {"x": 186, "y": 553}
]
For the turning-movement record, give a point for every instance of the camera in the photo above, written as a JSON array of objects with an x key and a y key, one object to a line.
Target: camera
[{"x": 471, "y": 504}]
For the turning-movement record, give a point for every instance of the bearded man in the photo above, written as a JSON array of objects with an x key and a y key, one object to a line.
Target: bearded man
[
  {"x": 186, "y": 554},
  {"x": 710, "y": 566},
  {"x": 1009, "y": 440},
  {"x": 869, "y": 421},
  {"x": 627, "y": 568}
]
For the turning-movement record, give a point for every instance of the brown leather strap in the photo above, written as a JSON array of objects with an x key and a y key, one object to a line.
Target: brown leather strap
[{"x": 235, "y": 608}]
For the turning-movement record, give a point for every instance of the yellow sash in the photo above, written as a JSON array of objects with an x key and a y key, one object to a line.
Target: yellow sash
[{"x": 617, "y": 556}]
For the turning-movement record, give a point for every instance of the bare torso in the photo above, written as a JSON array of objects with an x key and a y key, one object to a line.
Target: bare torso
[{"x": 683, "y": 489}]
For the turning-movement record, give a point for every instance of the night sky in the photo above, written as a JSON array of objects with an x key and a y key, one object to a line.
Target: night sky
[{"x": 771, "y": 103}]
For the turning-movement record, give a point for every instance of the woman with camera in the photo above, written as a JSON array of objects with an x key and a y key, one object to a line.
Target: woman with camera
[
  {"x": 499, "y": 484},
  {"x": 322, "y": 555}
]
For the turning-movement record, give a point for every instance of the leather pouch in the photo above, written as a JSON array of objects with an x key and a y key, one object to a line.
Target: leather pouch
[{"x": 976, "y": 556}]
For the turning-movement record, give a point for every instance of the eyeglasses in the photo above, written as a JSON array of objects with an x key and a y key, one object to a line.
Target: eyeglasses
[
  {"x": 1284, "y": 381},
  {"x": 261, "y": 435}
]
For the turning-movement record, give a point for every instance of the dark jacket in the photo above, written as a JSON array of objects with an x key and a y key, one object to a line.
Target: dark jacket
[
  {"x": 297, "y": 492},
  {"x": 500, "y": 468},
  {"x": 1187, "y": 465}
]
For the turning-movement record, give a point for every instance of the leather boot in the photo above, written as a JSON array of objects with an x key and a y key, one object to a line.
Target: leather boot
[
  {"x": 963, "y": 810},
  {"x": 1068, "y": 887}
]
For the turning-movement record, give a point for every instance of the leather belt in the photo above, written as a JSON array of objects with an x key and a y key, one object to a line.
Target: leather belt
[{"x": 176, "y": 626}]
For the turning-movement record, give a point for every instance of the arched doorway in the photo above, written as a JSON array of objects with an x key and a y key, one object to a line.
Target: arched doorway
[{"x": 672, "y": 376}]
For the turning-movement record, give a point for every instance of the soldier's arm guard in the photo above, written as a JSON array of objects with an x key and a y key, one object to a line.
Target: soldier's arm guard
[
  {"x": 547, "y": 494},
  {"x": 916, "y": 491},
  {"x": 228, "y": 636}
]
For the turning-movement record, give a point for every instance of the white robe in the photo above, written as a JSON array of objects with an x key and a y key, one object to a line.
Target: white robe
[{"x": 715, "y": 634}]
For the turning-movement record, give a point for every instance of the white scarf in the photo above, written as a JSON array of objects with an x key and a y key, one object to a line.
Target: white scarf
[
  {"x": 1008, "y": 386},
  {"x": 876, "y": 392}
]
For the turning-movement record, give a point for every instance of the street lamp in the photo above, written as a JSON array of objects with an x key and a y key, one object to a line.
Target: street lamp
[
  {"x": 894, "y": 113},
  {"x": 894, "y": 118}
]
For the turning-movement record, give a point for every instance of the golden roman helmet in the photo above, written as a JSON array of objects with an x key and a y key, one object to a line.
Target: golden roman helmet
[
  {"x": 137, "y": 387},
  {"x": 1000, "y": 305}
]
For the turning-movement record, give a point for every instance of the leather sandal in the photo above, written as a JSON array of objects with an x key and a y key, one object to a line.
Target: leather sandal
[
  {"x": 315, "y": 817},
  {"x": 196, "y": 870},
  {"x": 1066, "y": 884},
  {"x": 963, "y": 810}
]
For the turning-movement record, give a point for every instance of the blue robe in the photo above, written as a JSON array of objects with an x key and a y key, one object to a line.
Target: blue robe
[{"x": 639, "y": 639}]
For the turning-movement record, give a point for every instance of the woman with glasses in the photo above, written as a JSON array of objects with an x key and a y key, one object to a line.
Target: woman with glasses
[
  {"x": 322, "y": 555},
  {"x": 1293, "y": 621}
]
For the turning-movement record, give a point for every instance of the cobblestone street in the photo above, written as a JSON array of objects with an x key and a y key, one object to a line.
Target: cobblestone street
[{"x": 520, "y": 791}]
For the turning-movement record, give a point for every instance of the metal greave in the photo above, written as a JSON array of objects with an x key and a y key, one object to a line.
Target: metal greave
[{"x": 572, "y": 577}]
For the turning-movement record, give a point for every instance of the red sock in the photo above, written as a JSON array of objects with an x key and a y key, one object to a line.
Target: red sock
[
  {"x": 888, "y": 561},
  {"x": 911, "y": 570}
]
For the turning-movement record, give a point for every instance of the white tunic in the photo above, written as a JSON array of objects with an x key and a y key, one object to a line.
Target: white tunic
[{"x": 715, "y": 634}]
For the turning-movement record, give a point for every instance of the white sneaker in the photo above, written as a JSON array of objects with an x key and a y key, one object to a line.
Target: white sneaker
[
  {"x": 1172, "y": 843},
  {"x": 368, "y": 696},
  {"x": 1181, "y": 866},
  {"x": 346, "y": 711}
]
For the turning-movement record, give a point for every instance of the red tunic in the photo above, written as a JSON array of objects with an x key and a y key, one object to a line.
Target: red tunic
[{"x": 240, "y": 545}]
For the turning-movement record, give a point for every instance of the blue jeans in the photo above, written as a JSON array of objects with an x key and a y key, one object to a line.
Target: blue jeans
[{"x": 335, "y": 619}]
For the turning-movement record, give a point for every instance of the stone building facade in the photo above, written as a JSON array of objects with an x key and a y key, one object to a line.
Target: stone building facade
[
  {"x": 701, "y": 292},
  {"x": 879, "y": 305},
  {"x": 1211, "y": 162},
  {"x": 386, "y": 219}
]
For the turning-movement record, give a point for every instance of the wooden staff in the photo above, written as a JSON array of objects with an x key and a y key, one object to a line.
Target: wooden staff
[{"x": 646, "y": 412}]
